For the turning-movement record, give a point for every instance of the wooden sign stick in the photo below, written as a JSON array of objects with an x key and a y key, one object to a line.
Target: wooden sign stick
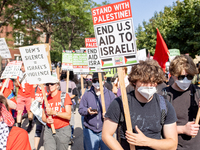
[
  {"x": 197, "y": 119},
  {"x": 47, "y": 106},
  {"x": 57, "y": 72},
  {"x": 4, "y": 85},
  {"x": 125, "y": 103},
  {"x": 67, "y": 82},
  {"x": 102, "y": 93}
]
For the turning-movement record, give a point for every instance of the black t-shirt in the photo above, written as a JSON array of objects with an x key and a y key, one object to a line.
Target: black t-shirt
[
  {"x": 186, "y": 106},
  {"x": 147, "y": 117}
]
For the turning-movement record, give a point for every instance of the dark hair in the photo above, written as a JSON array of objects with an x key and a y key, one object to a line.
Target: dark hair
[
  {"x": 3, "y": 100},
  {"x": 71, "y": 75}
]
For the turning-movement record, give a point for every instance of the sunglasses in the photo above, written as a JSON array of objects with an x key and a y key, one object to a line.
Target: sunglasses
[
  {"x": 50, "y": 84},
  {"x": 189, "y": 77}
]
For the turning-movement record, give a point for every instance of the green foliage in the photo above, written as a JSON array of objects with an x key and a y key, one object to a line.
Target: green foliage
[{"x": 179, "y": 25}]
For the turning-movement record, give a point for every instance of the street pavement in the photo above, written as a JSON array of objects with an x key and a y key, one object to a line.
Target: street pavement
[{"x": 78, "y": 133}]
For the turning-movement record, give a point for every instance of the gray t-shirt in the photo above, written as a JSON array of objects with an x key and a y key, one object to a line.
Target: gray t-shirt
[{"x": 147, "y": 116}]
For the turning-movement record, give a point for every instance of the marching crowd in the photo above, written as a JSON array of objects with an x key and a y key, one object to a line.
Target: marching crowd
[{"x": 163, "y": 113}]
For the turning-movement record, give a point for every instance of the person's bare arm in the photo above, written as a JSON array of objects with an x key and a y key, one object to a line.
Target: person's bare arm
[
  {"x": 72, "y": 96},
  {"x": 44, "y": 118},
  {"x": 109, "y": 128},
  {"x": 64, "y": 115},
  {"x": 11, "y": 104},
  {"x": 169, "y": 142}
]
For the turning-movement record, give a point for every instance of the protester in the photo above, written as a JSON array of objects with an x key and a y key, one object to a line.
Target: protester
[
  {"x": 11, "y": 137},
  {"x": 184, "y": 96},
  {"x": 90, "y": 107},
  {"x": 59, "y": 114},
  {"x": 147, "y": 118},
  {"x": 25, "y": 97}
]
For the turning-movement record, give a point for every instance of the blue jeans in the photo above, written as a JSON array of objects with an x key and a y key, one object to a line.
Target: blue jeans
[{"x": 93, "y": 141}]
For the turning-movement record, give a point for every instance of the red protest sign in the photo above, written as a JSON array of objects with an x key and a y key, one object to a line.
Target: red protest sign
[
  {"x": 90, "y": 42},
  {"x": 112, "y": 12}
]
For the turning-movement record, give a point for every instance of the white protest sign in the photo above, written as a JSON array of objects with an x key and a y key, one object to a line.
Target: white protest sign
[
  {"x": 94, "y": 61},
  {"x": 36, "y": 64},
  {"x": 4, "y": 50},
  {"x": 142, "y": 54},
  {"x": 12, "y": 70},
  {"x": 114, "y": 31},
  {"x": 80, "y": 61},
  {"x": 67, "y": 63}
]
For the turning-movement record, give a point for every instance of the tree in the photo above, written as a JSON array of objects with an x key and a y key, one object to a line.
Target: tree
[{"x": 179, "y": 26}]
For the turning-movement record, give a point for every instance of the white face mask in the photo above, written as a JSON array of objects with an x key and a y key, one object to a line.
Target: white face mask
[
  {"x": 147, "y": 91},
  {"x": 96, "y": 85},
  {"x": 183, "y": 84}
]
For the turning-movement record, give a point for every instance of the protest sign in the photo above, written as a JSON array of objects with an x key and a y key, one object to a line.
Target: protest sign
[
  {"x": 142, "y": 54},
  {"x": 174, "y": 53},
  {"x": 4, "y": 50},
  {"x": 90, "y": 42},
  {"x": 114, "y": 31},
  {"x": 12, "y": 70},
  {"x": 80, "y": 61},
  {"x": 67, "y": 63},
  {"x": 47, "y": 48},
  {"x": 36, "y": 64},
  {"x": 93, "y": 59}
]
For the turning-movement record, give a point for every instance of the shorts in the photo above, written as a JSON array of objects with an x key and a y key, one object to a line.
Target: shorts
[{"x": 21, "y": 101}]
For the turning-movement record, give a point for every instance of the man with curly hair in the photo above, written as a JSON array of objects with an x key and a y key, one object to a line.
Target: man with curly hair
[
  {"x": 145, "y": 112},
  {"x": 184, "y": 96}
]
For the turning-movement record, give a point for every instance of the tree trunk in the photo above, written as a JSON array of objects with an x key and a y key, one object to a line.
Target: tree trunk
[{"x": 47, "y": 38}]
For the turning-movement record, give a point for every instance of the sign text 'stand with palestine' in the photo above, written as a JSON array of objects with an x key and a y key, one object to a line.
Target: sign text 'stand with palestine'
[
  {"x": 113, "y": 26},
  {"x": 36, "y": 64},
  {"x": 90, "y": 42}
]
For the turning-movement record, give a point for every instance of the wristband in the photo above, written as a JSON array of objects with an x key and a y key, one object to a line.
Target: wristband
[{"x": 56, "y": 113}]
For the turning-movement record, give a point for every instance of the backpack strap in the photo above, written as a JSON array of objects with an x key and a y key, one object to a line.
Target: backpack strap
[
  {"x": 62, "y": 98},
  {"x": 163, "y": 109}
]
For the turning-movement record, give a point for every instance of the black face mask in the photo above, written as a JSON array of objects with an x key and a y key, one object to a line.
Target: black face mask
[{"x": 89, "y": 83}]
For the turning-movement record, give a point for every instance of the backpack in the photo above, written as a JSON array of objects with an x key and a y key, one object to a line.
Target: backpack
[{"x": 163, "y": 109}]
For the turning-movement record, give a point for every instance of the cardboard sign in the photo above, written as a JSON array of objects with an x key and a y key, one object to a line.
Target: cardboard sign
[
  {"x": 36, "y": 64},
  {"x": 113, "y": 26},
  {"x": 67, "y": 63},
  {"x": 90, "y": 42},
  {"x": 4, "y": 50},
  {"x": 80, "y": 61},
  {"x": 12, "y": 70}
]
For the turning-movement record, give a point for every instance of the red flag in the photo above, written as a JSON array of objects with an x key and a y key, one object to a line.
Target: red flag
[{"x": 161, "y": 52}]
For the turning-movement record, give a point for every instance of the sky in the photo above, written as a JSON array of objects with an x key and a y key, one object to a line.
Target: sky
[{"x": 143, "y": 10}]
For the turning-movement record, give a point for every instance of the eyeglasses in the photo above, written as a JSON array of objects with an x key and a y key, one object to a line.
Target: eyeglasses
[
  {"x": 189, "y": 77},
  {"x": 50, "y": 84}
]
